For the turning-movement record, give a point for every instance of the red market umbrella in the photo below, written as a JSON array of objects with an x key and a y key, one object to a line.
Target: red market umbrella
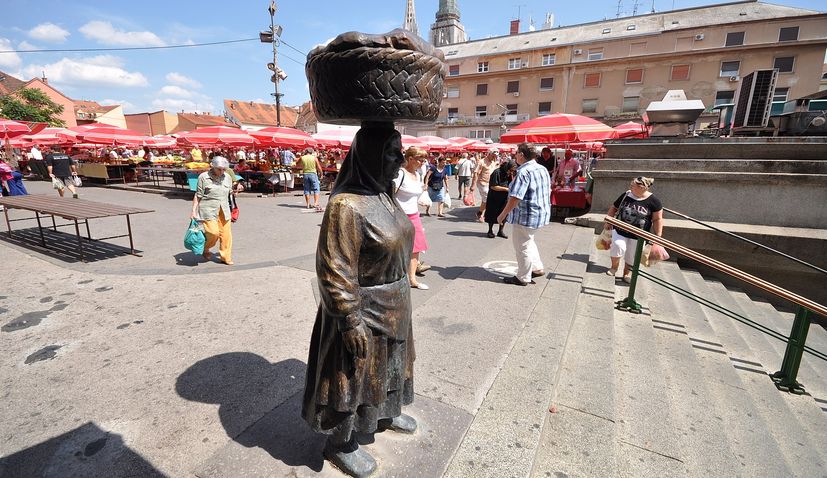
[
  {"x": 631, "y": 130},
  {"x": 408, "y": 141},
  {"x": 435, "y": 143},
  {"x": 217, "y": 136},
  {"x": 112, "y": 136},
  {"x": 335, "y": 138},
  {"x": 559, "y": 127},
  {"x": 160, "y": 142},
  {"x": 11, "y": 129},
  {"x": 466, "y": 144},
  {"x": 283, "y": 137},
  {"x": 45, "y": 137}
]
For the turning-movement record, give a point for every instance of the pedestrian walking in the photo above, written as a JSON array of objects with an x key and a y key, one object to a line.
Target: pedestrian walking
[
  {"x": 437, "y": 181},
  {"x": 497, "y": 198},
  {"x": 480, "y": 179},
  {"x": 63, "y": 171},
  {"x": 527, "y": 210},
  {"x": 211, "y": 206},
  {"x": 311, "y": 169},
  {"x": 640, "y": 208},
  {"x": 408, "y": 189},
  {"x": 465, "y": 169}
]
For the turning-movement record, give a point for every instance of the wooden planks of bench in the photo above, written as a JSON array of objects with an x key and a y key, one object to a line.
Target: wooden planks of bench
[{"x": 68, "y": 207}]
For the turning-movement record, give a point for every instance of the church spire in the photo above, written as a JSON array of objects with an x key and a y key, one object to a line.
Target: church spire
[
  {"x": 410, "y": 18},
  {"x": 447, "y": 8},
  {"x": 447, "y": 30}
]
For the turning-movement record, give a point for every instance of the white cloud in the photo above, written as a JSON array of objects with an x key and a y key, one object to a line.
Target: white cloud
[
  {"x": 103, "y": 70},
  {"x": 49, "y": 32},
  {"x": 105, "y": 33},
  {"x": 176, "y": 91},
  {"x": 8, "y": 60},
  {"x": 177, "y": 104},
  {"x": 179, "y": 79},
  {"x": 24, "y": 45}
]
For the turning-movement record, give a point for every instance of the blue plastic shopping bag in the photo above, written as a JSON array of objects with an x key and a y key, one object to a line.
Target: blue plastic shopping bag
[{"x": 194, "y": 238}]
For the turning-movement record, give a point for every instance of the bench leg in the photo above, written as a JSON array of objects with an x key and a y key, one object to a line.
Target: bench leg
[
  {"x": 88, "y": 234},
  {"x": 54, "y": 224},
  {"x": 40, "y": 228},
  {"x": 80, "y": 241},
  {"x": 8, "y": 223},
  {"x": 129, "y": 229}
]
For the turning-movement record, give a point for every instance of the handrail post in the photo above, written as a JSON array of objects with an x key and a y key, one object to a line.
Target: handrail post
[
  {"x": 785, "y": 379},
  {"x": 629, "y": 304}
]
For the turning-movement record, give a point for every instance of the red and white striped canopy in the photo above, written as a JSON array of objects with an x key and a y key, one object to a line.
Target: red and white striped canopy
[
  {"x": 409, "y": 141},
  {"x": 559, "y": 127},
  {"x": 632, "y": 130},
  {"x": 10, "y": 128},
  {"x": 113, "y": 136},
  {"x": 466, "y": 144},
  {"x": 283, "y": 137},
  {"x": 435, "y": 143},
  {"x": 217, "y": 136},
  {"x": 335, "y": 138}
]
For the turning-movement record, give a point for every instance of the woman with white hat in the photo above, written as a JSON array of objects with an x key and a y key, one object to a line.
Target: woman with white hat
[{"x": 211, "y": 206}]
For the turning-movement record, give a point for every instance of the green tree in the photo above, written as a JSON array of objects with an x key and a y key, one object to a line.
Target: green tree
[{"x": 31, "y": 104}]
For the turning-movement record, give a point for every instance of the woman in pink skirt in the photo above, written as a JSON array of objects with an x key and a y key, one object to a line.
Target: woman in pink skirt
[{"x": 408, "y": 189}]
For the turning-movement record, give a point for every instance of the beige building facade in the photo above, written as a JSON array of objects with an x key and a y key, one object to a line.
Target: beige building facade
[{"x": 613, "y": 69}]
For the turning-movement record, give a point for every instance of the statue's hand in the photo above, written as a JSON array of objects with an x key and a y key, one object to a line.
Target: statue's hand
[{"x": 356, "y": 341}]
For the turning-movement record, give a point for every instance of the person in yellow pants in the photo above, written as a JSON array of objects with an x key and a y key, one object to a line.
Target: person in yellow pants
[{"x": 211, "y": 206}]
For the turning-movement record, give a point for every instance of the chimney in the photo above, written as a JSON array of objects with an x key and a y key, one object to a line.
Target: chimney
[{"x": 515, "y": 27}]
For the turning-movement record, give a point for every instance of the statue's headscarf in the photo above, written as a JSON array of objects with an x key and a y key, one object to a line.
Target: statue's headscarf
[{"x": 373, "y": 161}]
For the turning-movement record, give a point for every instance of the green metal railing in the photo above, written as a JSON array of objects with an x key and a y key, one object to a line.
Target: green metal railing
[{"x": 786, "y": 378}]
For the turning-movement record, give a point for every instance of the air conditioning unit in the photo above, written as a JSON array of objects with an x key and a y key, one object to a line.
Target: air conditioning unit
[
  {"x": 754, "y": 99},
  {"x": 578, "y": 51},
  {"x": 699, "y": 37},
  {"x": 516, "y": 93},
  {"x": 734, "y": 78}
]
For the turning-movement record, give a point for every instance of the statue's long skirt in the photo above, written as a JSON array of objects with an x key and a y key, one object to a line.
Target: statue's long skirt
[{"x": 346, "y": 394}]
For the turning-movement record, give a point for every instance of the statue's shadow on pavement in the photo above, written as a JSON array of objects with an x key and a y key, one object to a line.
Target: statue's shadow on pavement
[{"x": 243, "y": 385}]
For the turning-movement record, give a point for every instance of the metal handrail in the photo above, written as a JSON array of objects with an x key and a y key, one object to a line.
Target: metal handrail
[
  {"x": 720, "y": 266},
  {"x": 742, "y": 238}
]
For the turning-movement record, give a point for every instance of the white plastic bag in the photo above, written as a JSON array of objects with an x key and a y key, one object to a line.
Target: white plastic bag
[
  {"x": 447, "y": 200},
  {"x": 424, "y": 200},
  {"x": 76, "y": 179}
]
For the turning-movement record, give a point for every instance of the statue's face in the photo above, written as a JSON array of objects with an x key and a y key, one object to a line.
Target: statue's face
[{"x": 393, "y": 157}]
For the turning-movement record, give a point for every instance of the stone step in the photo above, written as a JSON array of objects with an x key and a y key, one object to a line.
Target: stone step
[
  {"x": 649, "y": 439},
  {"x": 506, "y": 431},
  {"x": 751, "y": 439},
  {"x": 765, "y": 166},
  {"x": 580, "y": 438},
  {"x": 705, "y": 445},
  {"x": 769, "y": 410},
  {"x": 800, "y": 148}
]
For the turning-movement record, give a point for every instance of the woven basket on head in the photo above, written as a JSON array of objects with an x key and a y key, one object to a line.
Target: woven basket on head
[{"x": 391, "y": 77}]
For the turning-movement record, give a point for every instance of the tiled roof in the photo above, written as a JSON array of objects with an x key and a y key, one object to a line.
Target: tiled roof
[
  {"x": 203, "y": 119},
  {"x": 249, "y": 112},
  {"x": 624, "y": 27},
  {"x": 9, "y": 84},
  {"x": 87, "y": 106}
]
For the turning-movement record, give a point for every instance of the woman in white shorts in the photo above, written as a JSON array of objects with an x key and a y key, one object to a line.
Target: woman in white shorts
[{"x": 637, "y": 207}]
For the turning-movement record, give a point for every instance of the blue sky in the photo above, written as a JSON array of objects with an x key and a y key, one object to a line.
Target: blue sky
[{"x": 200, "y": 78}]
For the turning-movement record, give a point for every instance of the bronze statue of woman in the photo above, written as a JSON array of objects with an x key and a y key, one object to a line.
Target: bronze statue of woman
[{"x": 360, "y": 367}]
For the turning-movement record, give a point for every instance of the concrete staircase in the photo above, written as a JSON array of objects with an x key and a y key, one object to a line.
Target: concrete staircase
[{"x": 679, "y": 390}]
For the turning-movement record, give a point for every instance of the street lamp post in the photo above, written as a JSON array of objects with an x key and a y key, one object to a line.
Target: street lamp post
[{"x": 272, "y": 37}]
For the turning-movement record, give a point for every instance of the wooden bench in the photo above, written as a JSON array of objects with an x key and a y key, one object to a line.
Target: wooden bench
[{"x": 75, "y": 210}]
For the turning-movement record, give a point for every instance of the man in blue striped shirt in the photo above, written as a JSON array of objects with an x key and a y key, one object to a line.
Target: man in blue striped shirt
[{"x": 528, "y": 209}]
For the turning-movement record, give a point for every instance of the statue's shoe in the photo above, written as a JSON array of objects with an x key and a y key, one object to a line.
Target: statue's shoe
[
  {"x": 350, "y": 459},
  {"x": 401, "y": 424}
]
